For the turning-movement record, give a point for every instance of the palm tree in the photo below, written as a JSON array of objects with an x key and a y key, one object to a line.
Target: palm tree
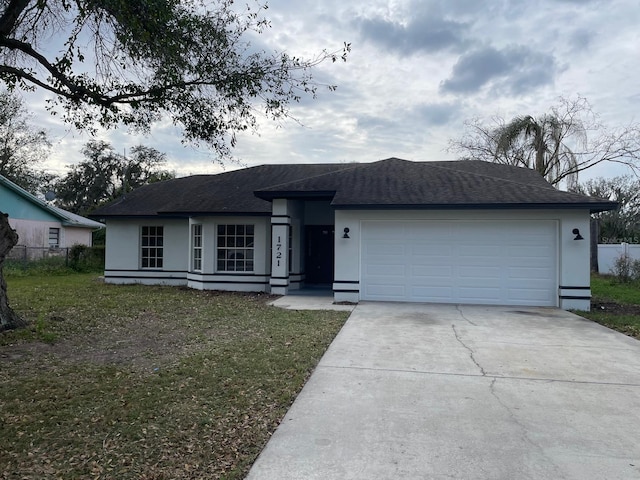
[{"x": 539, "y": 144}]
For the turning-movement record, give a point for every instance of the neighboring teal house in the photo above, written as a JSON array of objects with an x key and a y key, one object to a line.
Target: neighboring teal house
[{"x": 41, "y": 226}]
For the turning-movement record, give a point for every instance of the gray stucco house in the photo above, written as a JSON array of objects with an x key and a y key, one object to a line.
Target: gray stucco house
[{"x": 464, "y": 232}]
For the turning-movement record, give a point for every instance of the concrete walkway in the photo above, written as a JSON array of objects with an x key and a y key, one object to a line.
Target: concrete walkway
[{"x": 410, "y": 391}]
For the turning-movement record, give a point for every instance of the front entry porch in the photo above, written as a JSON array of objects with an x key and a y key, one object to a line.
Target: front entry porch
[{"x": 302, "y": 245}]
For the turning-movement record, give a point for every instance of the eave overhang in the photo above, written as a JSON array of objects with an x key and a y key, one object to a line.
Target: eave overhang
[{"x": 592, "y": 207}]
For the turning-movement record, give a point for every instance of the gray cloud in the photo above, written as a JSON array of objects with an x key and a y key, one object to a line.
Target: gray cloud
[
  {"x": 581, "y": 39},
  {"x": 514, "y": 69},
  {"x": 437, "y": 114},
  {"x": 424, "y": 33},
  {"x": 421, "y": 115}
]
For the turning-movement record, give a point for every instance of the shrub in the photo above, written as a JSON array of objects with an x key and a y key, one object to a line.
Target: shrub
[
  {"x": 44, "y": 266},
  {"x": 86, "y": 259},
  {"x": 625, "y": 269}
]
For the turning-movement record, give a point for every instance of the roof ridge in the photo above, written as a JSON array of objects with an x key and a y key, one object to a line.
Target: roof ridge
[
  {"x": 347, "y": 167},
  {"x": 492, "y": 177},
  {"x": 67, "y": 218}
]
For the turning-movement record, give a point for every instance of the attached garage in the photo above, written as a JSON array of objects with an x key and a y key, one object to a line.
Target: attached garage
[
  {"x": 511, "y": 262},
  {"x": 466, "y": 232}
]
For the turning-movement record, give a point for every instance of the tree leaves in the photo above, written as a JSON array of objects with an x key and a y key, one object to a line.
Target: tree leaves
[
  {"x": 106, "y": 175},
  {"x": 190, "y": 60},
  {"x": 22, "y": 146},
  {"x": 559, "y": 144}
]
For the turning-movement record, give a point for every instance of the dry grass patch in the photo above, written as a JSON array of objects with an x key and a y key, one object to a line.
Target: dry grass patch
[{"x": 147, "y": 382}]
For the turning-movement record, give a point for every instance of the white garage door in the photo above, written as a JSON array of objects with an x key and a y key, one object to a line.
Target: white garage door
[{"x": 474, "y": 262}]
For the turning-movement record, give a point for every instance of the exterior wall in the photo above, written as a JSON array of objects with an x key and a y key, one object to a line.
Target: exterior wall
[
  {"x": 573, "y": 256},
  {"x": 19, "y": 208},
  {"x": 280, "y": 229},
  {"x": 77, "y": 236},
  {"x": 209, "y": 278},
  {"x": 122, "y": 255},
  {"x": 297, "y": 223},
  {"x": 35, "y": 233},
  {"x": 575, "y": 266}
]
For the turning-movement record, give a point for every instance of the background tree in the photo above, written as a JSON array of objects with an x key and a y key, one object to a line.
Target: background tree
[
  {"x": 560, "y": 144},
  {"x": 105, "y": 175},
  {"x": 133, "y": 62},
  {"x": 623, "y": 224},
  {"x": 22, "y": 146}
]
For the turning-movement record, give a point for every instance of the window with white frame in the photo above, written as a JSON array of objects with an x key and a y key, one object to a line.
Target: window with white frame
[
  {"x": 235, "y": 248},
  {"x": 54, "y": 237},
  {"x": 197, "y": 248},
  {"x": 152, "y": 242}
]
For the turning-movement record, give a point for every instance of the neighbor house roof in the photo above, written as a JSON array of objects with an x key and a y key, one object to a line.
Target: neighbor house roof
[
  {"x": 66, "y": 218},
  {"x": 390, "y": 183}
]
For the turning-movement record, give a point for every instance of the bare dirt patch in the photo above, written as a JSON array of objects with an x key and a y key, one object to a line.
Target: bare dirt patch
[
  {"x": 135, "y": 382},
  {"x": 615, "y": 308}
]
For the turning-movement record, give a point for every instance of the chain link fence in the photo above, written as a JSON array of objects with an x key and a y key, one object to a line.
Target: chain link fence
[
  {"x": 81, "y": 258},
  {"x": 22, "y": 253}
]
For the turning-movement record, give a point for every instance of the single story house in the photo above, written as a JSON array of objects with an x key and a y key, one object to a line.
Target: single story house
[
  {"x": 41, "y": 226},
  {"x": 467, "y": 232}
]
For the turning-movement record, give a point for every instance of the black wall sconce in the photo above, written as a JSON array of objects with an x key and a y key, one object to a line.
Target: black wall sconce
[
  {"x": 576, "y": 232},
  {"x": 346, "y": 233}
]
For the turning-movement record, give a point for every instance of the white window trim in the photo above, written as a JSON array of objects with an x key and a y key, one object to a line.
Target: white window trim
[
  {"x": 196, "y": 248},
  {"x": 156, "y": 247},
  {"x": 229, "y": 248}
]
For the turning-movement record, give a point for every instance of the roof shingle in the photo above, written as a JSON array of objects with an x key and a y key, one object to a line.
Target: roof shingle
[{"x": 390, "y": 183}]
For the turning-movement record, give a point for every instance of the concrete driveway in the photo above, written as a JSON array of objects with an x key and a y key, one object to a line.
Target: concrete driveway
[{"x": 420, "y": 391}]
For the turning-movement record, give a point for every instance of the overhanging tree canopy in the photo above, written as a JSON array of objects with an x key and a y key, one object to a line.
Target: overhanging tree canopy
[
  {"x": 130, "y": 63},
  {"x": 124, "y": 62}
]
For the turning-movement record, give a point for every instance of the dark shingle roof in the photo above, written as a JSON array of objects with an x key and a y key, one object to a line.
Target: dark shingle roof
[
  {"x": 226, "y": 193},
  {"x": 391, "y": 183}
]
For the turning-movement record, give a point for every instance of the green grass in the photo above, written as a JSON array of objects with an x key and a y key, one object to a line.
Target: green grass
[
  {"x": 147, "y": 382},
  {"x": 606, "y": 288},
  {"x": 615, "y": 305}
]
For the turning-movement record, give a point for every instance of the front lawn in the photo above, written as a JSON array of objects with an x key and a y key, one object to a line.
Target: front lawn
[
  {"x": 615, "y": 305},
  {"x": 147, "y": 382}
]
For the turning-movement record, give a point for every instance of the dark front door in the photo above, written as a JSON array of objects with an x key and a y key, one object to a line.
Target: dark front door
[{"x": 319, "y": 254}]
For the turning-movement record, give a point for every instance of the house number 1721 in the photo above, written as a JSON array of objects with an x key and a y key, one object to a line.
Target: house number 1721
[{"x": 278, "y": 251}]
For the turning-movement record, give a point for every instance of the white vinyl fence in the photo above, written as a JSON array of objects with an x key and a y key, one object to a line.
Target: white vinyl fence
[{"x": 608, "y": 253}]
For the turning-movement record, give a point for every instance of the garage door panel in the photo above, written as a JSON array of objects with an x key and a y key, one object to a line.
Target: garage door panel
[
  {"x": 529, "y": 274},
  {"x": 479, "y": 251},
  {"x": 526, "y": 296},
  {"x": 479, "y": 295},
  {"x": 386, "y": 270},
  {"x": 477, "y": 272},
  {"x": 538, "y": 251},
  {"x": 395, "y": 292},
  {"x": 434, "y": 282},
  {"x": 435, "y": 271},
  {"x": 486, "y": 262},
  {"x": 430, "y": 250},
  {"x": 433, "y": 294},
  {"x": 389, "y": 249},
  {"x": 430, "y": 260}
]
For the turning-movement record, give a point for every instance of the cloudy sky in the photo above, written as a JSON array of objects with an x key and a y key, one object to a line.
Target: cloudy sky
[{"x": 418, "y": 69}]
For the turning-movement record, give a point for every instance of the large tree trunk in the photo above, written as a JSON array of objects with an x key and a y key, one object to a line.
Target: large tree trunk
[{"x": 8, "y": 238}]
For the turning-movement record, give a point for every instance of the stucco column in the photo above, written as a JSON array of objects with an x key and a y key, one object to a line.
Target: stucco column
[{"x": 280, "y": 226}]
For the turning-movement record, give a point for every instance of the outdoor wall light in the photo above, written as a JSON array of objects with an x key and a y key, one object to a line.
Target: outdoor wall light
[
  {"x": 576, "y": 232},
  {"x": 346, "y": 233}
]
